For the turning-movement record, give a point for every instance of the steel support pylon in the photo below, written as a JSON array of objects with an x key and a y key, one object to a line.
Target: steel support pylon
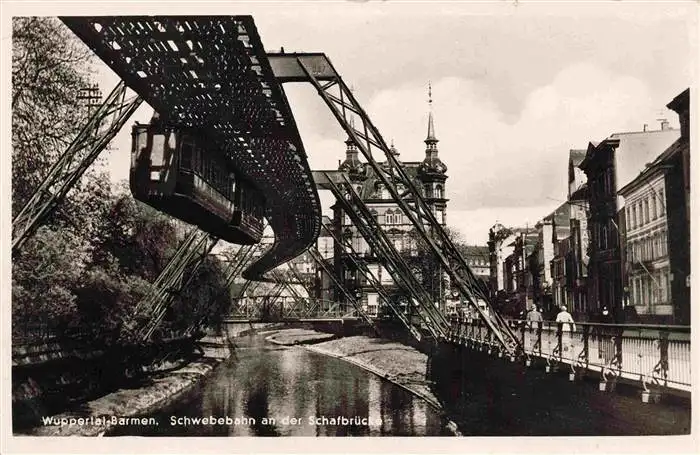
[
  {"x": 372, "y": 232},
  {"x": 318, "y": 70},
  {"x": 100, "y": 129},
  {"x": 374, "y": 282},
  {"x": 318, "y": 258},
  {"x": 150, "y": 311}
]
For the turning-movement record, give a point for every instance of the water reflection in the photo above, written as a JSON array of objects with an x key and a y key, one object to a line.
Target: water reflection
[{"x": 273, "y": 391}]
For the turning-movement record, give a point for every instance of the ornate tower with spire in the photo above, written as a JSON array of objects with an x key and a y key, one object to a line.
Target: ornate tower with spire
[
  {"x": 429, "y": 175},
  {"x": 352, "y": 164},
  {"x": 432, "y": 171}
]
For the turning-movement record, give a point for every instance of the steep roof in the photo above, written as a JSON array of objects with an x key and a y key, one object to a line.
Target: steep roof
[
  {"x": 560, "y": 216},
  {"x": 654, "y": 166},
  {"x": 576, "y": 156},
  {"x": 638, "y": 149}
]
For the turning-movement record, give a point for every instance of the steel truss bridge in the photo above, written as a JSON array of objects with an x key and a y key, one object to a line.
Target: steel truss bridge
[{"x": 212, "y": 73}]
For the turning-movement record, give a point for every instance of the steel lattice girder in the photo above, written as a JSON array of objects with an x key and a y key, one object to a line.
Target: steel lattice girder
[
  {"x": 313, "y": 302},
  {"x": 211, "y": 73},
  {"x": 318, "y": 258},
  {"x": 171, "y": 281},
  {"x": 317, "y": 68},
  {"x": 376, "y": 284},
  {"x": 372, "y": 232},
  {"x": 248, "y": 286},
  {"x": 298, "y": 299},
  {"x": 233, "y": 269},
  {"x": 99, "y": 130}
]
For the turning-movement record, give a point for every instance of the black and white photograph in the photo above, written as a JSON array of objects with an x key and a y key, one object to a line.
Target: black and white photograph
[{"x": 349, "y": 224}]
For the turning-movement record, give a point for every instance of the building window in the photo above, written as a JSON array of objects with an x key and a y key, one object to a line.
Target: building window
[
  {"x": 438, "y": 192},
  {"x": 662, "y": 203},
  {"x": 633, "y": 220},
  {"x": 439, "y": 216},
  {"x": 646, "y": 210},
  {"x": 663, "y": 247},
  {"x": 633, "y": 251},
  {"x": 662, "y": 286},
  {"x": 654, "y": 215},
  {"x": 641, "y": 214}
]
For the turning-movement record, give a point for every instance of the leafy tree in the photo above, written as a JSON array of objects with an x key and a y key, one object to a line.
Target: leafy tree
[
  {"x": 140, "y": 239},
  {"x": 203, "y": 302},
  {"x": 43, "y": 282},
  {"x": 49, "y": 67}
]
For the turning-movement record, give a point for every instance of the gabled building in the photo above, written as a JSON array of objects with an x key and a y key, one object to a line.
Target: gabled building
[
  {"x": 656, "y": 259},
  {"x": 577, "y": 250},
  {"x": 610, "y": 165},
  {"x": 430, "y": 176},
  {"x": 550, "y": 230},
  {"x": 677, "y": 162}
]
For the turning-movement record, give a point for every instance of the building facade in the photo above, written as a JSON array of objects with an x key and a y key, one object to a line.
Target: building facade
[
  {"x": 609, "y": 165},
  {"x": 676, "y": 161},
  {"x": 657, "y": 241},
  {"x": 430, "y": 176},
  {"x": 646, "y": 260}
]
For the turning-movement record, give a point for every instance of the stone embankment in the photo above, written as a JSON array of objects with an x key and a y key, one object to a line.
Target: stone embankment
[
  {"x": 290, "y": 337},
  {"x": 96, "y": 417}
]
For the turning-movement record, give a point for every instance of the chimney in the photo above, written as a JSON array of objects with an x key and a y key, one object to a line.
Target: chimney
[{"x": 646, "y": 126}]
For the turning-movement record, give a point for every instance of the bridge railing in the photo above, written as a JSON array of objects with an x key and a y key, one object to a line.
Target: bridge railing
[{"x": 654, "y": 355}]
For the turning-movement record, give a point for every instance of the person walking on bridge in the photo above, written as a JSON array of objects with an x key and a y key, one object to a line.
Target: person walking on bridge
[
  {"x": 567, "y": 322},
  {"x": 534, "y": 317}
]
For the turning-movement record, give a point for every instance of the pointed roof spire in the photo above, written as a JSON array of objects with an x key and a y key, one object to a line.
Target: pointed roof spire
[
  {"x": 431, "y": 125},
  {"x": 349, "y": 140},
  {"x": 431, "y": 164}
]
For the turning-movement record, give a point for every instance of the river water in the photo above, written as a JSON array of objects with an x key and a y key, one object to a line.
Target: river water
[{"x": 270, "y": 390}]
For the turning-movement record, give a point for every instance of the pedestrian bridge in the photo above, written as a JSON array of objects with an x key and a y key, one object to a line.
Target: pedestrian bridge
[{"x": 656, "y": 358}]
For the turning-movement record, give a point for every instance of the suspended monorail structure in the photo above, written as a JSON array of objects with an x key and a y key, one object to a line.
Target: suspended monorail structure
[
  {"x": 210, "y": 78},
  {"x": 223, "y": 152}
]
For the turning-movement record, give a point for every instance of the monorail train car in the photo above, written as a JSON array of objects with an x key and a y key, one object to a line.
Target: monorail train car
[{"x": 178, "y": 173}]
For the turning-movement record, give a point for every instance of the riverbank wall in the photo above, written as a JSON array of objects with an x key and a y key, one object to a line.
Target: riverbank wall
[{"x": 165, "y": 383}]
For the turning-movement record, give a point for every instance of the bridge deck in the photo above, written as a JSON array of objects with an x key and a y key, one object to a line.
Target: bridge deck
[
  {"x": 289, "y": 320},
  {"x": 211, "y": 73}
]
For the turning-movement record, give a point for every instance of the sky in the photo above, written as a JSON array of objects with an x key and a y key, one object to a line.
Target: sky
[{"x": 514, "y": 88}]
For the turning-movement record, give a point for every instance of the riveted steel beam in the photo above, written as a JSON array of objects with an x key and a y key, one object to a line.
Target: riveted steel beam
[
  {"x": 372, "y": 232},
  {"x": 374, "y": 282},
  {"x": 366, "y": 136}
]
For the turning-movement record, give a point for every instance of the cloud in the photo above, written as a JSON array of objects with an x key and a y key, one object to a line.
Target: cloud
[
  {"x": 508, "y": 171},
  {"x": 513, "y": 92}
]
